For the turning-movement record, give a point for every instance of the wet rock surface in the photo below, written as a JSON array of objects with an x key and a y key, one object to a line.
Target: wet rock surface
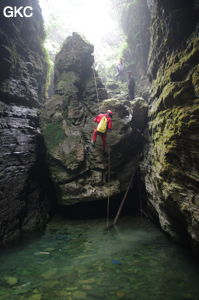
[
  {"x": 171, "y": 160},
  {"x": 79, "y": 171},
  {"x": 23, "y": 203},
  {"x": 135, "y": 21}
]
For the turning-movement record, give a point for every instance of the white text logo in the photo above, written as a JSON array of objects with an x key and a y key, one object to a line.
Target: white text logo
[{"x": 13, "y": 12}]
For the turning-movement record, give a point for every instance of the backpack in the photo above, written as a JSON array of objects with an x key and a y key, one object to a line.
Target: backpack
[{"x": 102, "y": 126}]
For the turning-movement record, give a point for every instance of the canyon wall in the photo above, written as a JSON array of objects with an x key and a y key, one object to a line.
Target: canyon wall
[
  {"x": 171, "y": 166},
  {"x": 172, "y": 157},
  {"x": 23, "y": 201},
  {"x": 170, "y": 170}
]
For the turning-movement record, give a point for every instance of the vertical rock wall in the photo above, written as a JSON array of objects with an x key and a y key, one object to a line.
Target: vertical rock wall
[
  {"x": 171, "y": 167},
  {"x": 22, "y": 82}
]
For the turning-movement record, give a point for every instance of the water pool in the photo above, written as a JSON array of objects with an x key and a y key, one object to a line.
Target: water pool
[{"x": 81, "y": 260}]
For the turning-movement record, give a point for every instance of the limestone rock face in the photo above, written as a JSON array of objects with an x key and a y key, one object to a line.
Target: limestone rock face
[
  {"x": 79, "y": 171},
  {"x": 22, "y": 81},
  {"x": 171, "y": 167},
  {"x": 135, "y": 19}
]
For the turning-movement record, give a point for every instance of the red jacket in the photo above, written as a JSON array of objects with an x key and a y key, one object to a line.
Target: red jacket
[{"x": 109, "y": 121}]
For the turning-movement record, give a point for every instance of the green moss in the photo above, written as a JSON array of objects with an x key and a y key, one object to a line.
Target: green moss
[
  {"x": 195, "y": 80},
  {"x": 35, "y": 297},
  {"x": 177, "y": 93},
  {"x": 10, "y": 280},
  {"x": 169, "y": 129},
  {"x": 178, "y": 66},
  {"x": 53, "y": 134}
]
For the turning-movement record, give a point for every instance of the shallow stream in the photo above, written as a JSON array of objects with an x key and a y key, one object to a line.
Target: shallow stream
[{"x": 80, "y": 260}]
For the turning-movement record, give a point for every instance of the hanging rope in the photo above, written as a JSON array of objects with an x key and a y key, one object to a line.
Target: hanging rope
[
  {"x": 96, "y": 89},
  {"x": 124, "y": 198},
  {"x": 108, "y": 198},
  {"x": 109, "y": 163}
]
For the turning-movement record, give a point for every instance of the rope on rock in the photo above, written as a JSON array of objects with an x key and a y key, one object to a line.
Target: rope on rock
[
  {"x": 96, "y": 89},
  {"x": 124, "y": 198},
  {"x": 108, "y": 197},
  {"x": 109, "y": 163}
]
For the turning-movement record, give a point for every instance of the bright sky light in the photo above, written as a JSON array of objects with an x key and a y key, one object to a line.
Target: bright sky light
[
  {"x": 94, "y": 19},
  {"x": 88, "y": 17}
]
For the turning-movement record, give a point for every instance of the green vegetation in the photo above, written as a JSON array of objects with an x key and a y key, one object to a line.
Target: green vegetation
[
  {"x": 107, "y": 66},
  {"x": 110, "y": 43}
]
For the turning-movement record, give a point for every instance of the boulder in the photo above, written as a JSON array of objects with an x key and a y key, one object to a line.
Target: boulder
[{"x": 79, "y": 171}]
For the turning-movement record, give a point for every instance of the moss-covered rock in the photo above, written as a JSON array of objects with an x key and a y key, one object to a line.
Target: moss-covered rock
[
  {"x": 171, "y": 160},
  {"x": 79, "y": 171},
  {"x": 11, "y": 281}
]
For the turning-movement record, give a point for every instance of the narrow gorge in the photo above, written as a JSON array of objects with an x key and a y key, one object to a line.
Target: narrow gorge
[{"x": 49, "y": 166}]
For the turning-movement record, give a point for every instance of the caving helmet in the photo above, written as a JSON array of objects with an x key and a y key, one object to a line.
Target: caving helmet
[{"x": 109, "y": 112}]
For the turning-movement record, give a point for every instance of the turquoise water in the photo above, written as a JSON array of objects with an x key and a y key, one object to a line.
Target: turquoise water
[{"x": 80, "y": 260}]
